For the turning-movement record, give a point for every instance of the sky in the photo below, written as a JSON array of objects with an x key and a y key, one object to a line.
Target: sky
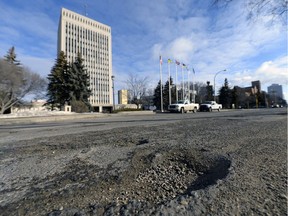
[{"x": 205, "y": 37}]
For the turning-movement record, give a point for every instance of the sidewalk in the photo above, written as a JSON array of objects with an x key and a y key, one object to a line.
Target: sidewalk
[{"x": 50, "y": 117}]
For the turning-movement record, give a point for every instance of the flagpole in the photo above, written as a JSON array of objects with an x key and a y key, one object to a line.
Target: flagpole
[
  {"x": 161, "y": 84},
  {"x": 169, "y": 61},
  {"x": 189, "y": 86},
  {"x": 176, "y": 81},
  {"x": 182, "y": 83}
]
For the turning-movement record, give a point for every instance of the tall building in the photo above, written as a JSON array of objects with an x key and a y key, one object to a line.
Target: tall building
[
  {"x": 123, "y": 96},
  {"x": 275, "y": 90},
  {"x": 80, "y": 34}
]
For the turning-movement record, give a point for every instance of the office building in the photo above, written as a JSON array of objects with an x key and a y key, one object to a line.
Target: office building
[
  {"x": 275, "y": 90},
  {"x": 123, "y": 96},
  {"x": 80, "y": 34}
]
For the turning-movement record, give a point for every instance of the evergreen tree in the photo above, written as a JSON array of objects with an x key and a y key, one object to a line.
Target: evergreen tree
[
  {"x": 173, "y": 94},
  {"x": 157, "y": 96},
  {"x": 225, "y": 95},
  {"x": 173, "y": 91},
  {"x": 166, "y": 93},
  {"x": 78, "y": 82},
  {"x": 58, "y": 91},
  {"x": 11, "y": 56}
]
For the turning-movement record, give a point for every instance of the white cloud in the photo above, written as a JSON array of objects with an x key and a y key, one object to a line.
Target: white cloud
[
  {"x": 269, "y": 72},
  {"x": 277, "y": 69},
  {"x": 180, "y": 49}
]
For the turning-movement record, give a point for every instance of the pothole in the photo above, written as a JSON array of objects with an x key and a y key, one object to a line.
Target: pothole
[
  {"x": 154, "y": 177},
  {"x": 160, "y": 177},
  {"x": 157, "y": 178}
]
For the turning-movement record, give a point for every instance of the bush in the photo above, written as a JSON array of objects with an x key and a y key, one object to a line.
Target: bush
[{"x": 79, "y": 106}]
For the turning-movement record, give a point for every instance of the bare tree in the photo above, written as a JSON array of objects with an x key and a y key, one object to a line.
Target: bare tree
[
  {"x": 201, "y": 92},
  {"x": 137, "y": 88},
  {"x": 276, "y": 9},
  {"x": 16, "y": 83}
]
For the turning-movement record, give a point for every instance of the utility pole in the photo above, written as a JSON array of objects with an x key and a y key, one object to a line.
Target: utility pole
[
  {"x": 113, "y": 77},
  {"x": 215, "y": 83}
]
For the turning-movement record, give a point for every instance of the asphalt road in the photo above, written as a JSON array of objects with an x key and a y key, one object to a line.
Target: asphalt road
[
  {"x": 221, "y": 163},
  {"x": 26, "y": 131}
]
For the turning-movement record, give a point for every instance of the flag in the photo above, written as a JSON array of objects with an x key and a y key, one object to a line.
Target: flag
[
  {"x": 184, "y": 66},
  {"x": 178, "y": 63},
  {"x": 169, "y": 61},
  {"x": 160, "y": 58},
  {"x": 193, "y": 71}
]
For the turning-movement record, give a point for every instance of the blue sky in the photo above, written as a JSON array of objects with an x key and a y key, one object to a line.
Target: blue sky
[{"x": 205, "y": 38}]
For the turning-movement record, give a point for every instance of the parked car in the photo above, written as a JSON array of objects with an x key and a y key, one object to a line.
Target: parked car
[
  {"x": 275, "y": 106},
  {"x": 183, "y": 106},
  {"x": 210, "y": 106}
]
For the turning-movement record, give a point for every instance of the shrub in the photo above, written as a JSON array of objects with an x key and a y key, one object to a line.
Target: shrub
[{"x": 79, "y": 106}]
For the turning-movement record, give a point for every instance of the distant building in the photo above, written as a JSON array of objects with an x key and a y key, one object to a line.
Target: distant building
[
  {"x": 275, "y": 90},
  {"x": 256, "y": 84},
  {"x": 246, "y": 96},
  {"x": 253, "y": 89},
  {"x": 80, "y": 34},
  {"x": 123, "y": 96},
  {"x": 33, "y": 106}
]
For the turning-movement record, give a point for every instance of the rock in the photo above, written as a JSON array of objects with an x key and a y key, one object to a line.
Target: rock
[{"x": 283, "y": 196}]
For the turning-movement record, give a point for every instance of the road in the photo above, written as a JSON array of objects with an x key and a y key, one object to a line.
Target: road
[
  {"x": 23, "y": 131},
  {"x": 221, "y": 163}
]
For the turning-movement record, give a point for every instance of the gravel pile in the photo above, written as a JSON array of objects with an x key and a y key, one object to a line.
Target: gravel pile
[{"x": 164, "y": 181}]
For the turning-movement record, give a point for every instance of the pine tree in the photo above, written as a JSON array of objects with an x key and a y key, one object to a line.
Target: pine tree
[
  {"x": 225, "y": 95},
  {"x": 11, "y": 56},
  {"x": 78, "y": 83},
  {"x": 157, "y": 96},
  {"x": 58, "y": 91},
  {"x": 166, "y": 93},
  {"x": 173, "y": 91}
]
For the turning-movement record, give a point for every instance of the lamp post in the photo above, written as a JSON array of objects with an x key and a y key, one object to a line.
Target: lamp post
[
  {"x": 215, "y": 84},
  {"x": 113, "y": 77}
]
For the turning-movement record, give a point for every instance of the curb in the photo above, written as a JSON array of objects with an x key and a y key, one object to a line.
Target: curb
[{"x": 57, "y": 118}]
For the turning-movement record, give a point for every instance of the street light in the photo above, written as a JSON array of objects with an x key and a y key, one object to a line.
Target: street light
[
  {"x": 215, "y": 84},
  {"x": 112, "y": 77}
]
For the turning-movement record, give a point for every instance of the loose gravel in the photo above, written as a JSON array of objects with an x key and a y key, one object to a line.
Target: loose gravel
[{"x": 235, "y": 165}]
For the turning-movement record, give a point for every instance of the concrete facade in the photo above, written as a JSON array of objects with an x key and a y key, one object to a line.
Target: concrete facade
[
  {"x": 123, "y": 96},
  {"x": 80, "y": 34}
]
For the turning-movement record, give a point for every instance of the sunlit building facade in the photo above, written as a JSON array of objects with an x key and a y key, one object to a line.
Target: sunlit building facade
[
  {"x": 123, "y": 96},
  {"x": 80, "y": 34}
]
